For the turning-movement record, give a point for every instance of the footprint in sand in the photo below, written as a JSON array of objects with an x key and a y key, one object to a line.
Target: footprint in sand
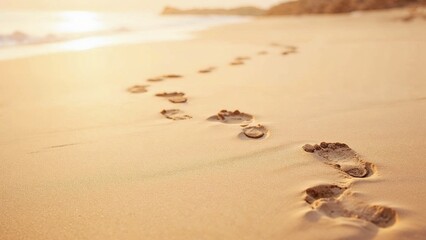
[
  {"x": 274, "y": 44},
  {"x": 207, "y": 70},
  {"x": 236, "y": 63},
  {"x": 156, "y": 79},
  {"x": 337, "y": 201},
  {"x": 242, "y": 58},
  {"x": 138, "y": 89},
  {"x": 174, "y": 97},
  {"x": 175, "y": 114},
  {"x": 342, "y": 157},
  {"x": 244, "y": 119},
  {"x": 255, "y": 132},
  {"x": 279, "y": 45},
  {"x": 162, "y": 78},
  {"x": 172, "y": 76},
  {"x": 239, "y": 60},
  {"x": 232, "y": 117},
  {"x": 262, "y": 53},
  {"x": 289, "y": 50}
]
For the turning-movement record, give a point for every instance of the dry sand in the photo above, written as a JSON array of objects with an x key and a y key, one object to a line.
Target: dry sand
[{"x": 82, "y": 158}]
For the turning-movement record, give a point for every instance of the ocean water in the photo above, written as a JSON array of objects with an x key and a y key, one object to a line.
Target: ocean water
[{"x": 28, "y": 33}]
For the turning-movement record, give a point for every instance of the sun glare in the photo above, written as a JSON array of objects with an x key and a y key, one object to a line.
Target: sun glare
[
  {"x": 79, "y": 22},
  {"x": 82, "y": 24}
]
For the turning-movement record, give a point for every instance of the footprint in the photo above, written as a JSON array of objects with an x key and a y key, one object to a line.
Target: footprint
[
  {"x": 236, "y": 63},
  {"x": 379, "y": 215},
  {"x": 242, "y": 58},
  {"x": 175, "y": 114},
  {"x": 289, "y": 50},
  {"x": 256, "y": 132},
  {"x": 274, "y": 44},
  {"x": 172, "y": 76},
  {"x": 239, "y": 60},
  {"x": 342, "y": 157},
  {"x": 262, "y": 53},
  {"x": 232, "y": 117},
  {"x": 157, "y": 79},
  {"x": 335, "y": 201},
  {"x": 244, "y": 120},
  {"x": 207, "y": 70},
  {"x": 138, "y": 89},
  {"x": 174, "y": 97},
  {"x": 287, "y": 47}
]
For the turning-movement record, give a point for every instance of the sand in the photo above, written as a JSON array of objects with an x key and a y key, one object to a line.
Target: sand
[{"x": 83, "y": 158}]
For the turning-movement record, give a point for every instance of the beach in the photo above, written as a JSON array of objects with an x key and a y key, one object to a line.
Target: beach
[{"x": 84, "y": 158}]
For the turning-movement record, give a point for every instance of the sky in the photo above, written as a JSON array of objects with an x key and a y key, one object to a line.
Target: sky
[{"x": 135, "y": 5}]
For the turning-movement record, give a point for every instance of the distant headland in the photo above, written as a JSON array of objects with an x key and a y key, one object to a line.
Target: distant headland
[{"x": 300, "y": 7}]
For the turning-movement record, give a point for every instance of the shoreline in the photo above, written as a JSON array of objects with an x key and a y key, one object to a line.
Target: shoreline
[{"x": 116, "y": 37}]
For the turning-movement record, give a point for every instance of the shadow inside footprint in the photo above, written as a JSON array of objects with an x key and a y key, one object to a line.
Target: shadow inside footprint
[
  {"x": 232, "y": 117},
  {"x": 172, "y": 76},
  {"x": 342, "y": 157},
  {"x": 254, "y": 132},
  {"x": 156, "y": 79},
  {"x": 170, "y": 94},
  {"x": 323, "y": 191}
]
